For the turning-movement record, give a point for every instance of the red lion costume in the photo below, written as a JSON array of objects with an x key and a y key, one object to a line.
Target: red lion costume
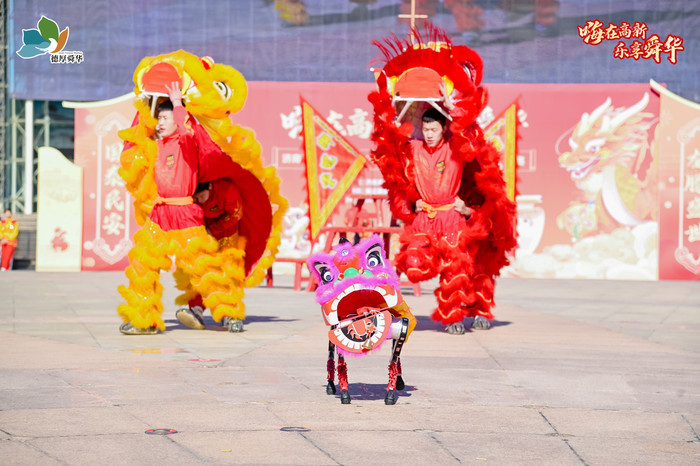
[{"x": 469, "y": 263}]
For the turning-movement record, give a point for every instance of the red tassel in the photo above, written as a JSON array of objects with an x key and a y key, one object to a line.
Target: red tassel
[
  {"x": 393, "y": 373},
  {"x": 330, "y": 366},
  {"x": 342, "y": 373}
]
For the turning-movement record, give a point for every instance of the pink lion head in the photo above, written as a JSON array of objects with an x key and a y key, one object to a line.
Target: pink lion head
[{"x": 353, "y": 279}]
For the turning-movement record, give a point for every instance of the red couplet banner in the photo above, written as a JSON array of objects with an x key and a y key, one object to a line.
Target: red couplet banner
[
  {"x": 108, "y": 216},
  {"x": 679, "y": 187}
]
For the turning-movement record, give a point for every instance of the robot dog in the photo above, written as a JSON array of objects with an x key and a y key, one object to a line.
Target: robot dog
[{"x": 361, "y": 301}]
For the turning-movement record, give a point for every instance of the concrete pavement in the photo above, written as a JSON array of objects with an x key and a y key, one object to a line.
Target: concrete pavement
[{"x": 572, "y": 372}]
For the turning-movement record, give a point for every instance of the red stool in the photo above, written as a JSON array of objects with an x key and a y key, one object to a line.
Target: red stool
[{"x": 298, "y": 278}]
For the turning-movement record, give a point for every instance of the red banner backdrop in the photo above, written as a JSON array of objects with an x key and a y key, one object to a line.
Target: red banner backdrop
[
  {"x": 588, "y": 197},
  {"x": 587, "y": 204},
  {"x": 274, "y": 110}
]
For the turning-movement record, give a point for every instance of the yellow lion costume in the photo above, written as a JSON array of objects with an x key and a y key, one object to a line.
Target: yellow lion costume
[{"x": 218, "y": 270}]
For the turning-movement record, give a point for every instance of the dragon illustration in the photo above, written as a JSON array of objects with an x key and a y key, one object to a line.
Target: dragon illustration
[
  {"x": 216, "y": 270},
  {"x": 360, "y": 296},
  {"x": 611, "y": 165}
]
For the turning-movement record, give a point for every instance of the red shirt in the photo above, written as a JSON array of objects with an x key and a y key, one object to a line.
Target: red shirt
[
  {"x": 224, "y": 208},
  {"x": 176, "y": 176},
  {"x": 437, "y": 172},
  {"x": 438, "y": 175}
]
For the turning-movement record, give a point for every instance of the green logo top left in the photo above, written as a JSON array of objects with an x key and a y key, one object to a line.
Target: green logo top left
[{"x": 42, "y": 40}]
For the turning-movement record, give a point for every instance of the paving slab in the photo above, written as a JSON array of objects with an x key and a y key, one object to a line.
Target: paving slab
[
  {"x": 571, "y": 372},
  {"x": 20, "y": 452},
  {"x": 119, "y": 449},
  {"x": 655, "y": 450},
  {"x": 521, "y": 449}
]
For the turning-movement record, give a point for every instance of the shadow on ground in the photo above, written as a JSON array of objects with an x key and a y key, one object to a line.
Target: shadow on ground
[
  {"x": 372, "y": 391},
  {"x": 171, "y": 324},
  {"x": 425, "y": 323}
]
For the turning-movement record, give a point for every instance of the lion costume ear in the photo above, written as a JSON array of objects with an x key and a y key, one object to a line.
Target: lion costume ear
[{"x": 207, "y": 62}]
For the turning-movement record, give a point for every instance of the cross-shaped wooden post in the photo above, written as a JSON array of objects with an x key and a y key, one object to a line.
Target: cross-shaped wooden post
[{"x": 413, "y": 17}]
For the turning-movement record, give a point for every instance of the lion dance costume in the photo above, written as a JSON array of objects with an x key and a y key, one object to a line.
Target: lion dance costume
[
  {"x": 361, "y": 301},
  {"x": 215, "y": 269},
  {"x": 469, "y": 259}
]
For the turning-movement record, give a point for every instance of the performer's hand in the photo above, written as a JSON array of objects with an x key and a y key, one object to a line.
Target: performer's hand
[
  {"x": 174, "y": 93},
  {"x": 419, "y": 205},
  {"x": 463, "y": 208},
  {"x": 446, "y": 102}
]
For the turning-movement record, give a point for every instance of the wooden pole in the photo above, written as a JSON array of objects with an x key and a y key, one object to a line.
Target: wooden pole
[{"x": 413, "y": 17}]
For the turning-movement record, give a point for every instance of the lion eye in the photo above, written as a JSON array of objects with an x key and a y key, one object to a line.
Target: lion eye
[
  {"x": 468, "y": 71},
  {"x": 374, "y": 256},
  {"x": 223, "y": 89},
  {"x": 593, "y": 146},
  {"x": 324, "y": 272}
]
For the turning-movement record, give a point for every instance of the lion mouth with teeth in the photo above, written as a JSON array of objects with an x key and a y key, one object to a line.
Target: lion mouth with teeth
[{"x": 359, "y": 294}]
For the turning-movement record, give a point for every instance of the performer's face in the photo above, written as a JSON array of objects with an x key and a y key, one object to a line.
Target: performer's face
[
  {"x": 201, "y": 197},
  {"x": 432, "y": 133},
  {"x": 8, "y": 213},
  {"x": 166, "y": 123}
]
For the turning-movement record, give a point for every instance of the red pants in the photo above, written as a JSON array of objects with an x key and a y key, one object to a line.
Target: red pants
[
  {"x": 464, "y": 289},
  {"x": 196, "y": 301},
  {"x": 8, "y": 251}
]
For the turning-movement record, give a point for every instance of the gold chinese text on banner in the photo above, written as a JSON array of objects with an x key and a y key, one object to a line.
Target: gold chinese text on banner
[{"x": 332, "y": 165}]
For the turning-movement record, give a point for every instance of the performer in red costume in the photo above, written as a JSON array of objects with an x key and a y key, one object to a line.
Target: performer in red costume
[
  {"x": 440, "y": 218},
  {"x": 176, "y": 168},
  {"x": 9, "y": 229},
  {"x": 175, "y": 216},
  {"x": 222, "y": 206},
  {"x": 448, "y": 188},
  {"x": 438, "y": 177}
]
